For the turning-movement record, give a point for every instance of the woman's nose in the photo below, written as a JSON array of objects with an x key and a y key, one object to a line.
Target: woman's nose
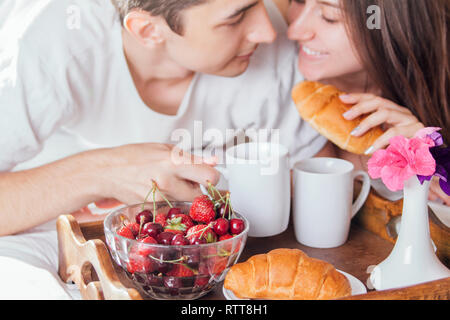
[{"x": 302, "y": 26}]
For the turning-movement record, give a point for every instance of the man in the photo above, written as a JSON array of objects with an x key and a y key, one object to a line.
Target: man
[{"x": 90, "y": 102}]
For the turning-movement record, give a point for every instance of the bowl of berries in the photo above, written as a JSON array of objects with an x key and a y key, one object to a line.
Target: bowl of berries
[{"x": 177, "y": 250}]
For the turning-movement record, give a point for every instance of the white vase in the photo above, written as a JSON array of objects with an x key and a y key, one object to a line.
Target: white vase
[{"x": 412, "y": 260}]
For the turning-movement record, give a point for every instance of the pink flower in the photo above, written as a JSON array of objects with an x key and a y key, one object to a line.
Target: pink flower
[{"x": 403, "y": 159}]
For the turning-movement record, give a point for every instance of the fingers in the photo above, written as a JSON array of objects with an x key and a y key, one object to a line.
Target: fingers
[
  {"x": 366, "y": 103},
  {"x": 383, "y": 140},
  {"x": 176, "y": 189},
  {"x": 194, "y": 168},
  {"x": 436, "y": 192},
  {"x": 381, "y": 116},
  {"x": 381, "y": 112},
  {"x": 200, "y": 174}
]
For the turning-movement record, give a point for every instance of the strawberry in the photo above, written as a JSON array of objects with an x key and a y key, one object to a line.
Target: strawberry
[
  {"x": 161, "y": 218},
  {"x": 126, "y": 232},
  {"x": 203, "y": 269},
  {"x": 139, "y": 263},
  {"x": 202, "y": 209},
  {"x": 180, "y": 270},
  {"x": 134, "y": 227},
  {"x": 174, "y": 231},
  {"x": 201, "y": 281},
  {"x": 186, "y": 220},
  {"x": 179, "y": 224},
  {"x": 201, "y": 231},
  {"x": 144, "y": 250},
  {"x": 217, "y": 265}
]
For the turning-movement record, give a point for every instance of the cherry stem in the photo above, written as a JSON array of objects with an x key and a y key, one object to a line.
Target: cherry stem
[
  {"x": 227, "y": 204},
  {"x": 169, "y": 261},
  {"x": 223, "y": 253},
  {"x": 177, "y": 261},
  {"x": 154, "y": 203},
  {"x": 140, "y": 225},
  {"x": 162, "y": 195},
  {"x": 214, "y": 191},
  {"x": 231, "y": 207},
  {"x": 148, "y": 195}
]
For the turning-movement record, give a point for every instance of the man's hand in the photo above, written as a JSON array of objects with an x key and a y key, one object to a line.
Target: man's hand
[
  {"x": 31, "y": 197},
  {"x": 127, "y": 172}
]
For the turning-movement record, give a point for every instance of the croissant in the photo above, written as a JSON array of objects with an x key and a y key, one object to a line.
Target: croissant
[
  {"x": 321, "y": 107},
  {"x": 286, "y": 274}
]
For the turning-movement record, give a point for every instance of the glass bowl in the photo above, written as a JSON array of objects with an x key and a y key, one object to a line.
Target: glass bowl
[{"x": 208, "y": 263}]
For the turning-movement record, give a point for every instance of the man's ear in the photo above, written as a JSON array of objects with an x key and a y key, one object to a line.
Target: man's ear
[{"x": 144, "y": 27}]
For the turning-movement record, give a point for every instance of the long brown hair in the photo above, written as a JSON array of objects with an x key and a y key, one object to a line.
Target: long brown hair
[{"x": 407, "y": 57}]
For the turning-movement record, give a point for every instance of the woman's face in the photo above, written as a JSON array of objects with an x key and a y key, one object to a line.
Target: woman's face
[{"x": 325, "y": 50}]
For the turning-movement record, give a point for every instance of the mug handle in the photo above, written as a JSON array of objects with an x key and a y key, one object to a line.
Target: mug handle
[
  {"x": 364, "y": 193},
  {"x": 223, "y": 171}
]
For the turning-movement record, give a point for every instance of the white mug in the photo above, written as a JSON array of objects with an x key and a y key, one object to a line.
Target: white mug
[
  {"x": 322, "y": 205},
  {"x": 258, "y": 177}
]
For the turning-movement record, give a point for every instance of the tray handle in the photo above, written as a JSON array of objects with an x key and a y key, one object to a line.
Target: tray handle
[
  {"x": 77, "y": 258},
  {"x": 434, "y": 290}
]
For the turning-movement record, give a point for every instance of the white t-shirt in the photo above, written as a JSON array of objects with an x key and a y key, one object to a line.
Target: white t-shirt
[{"x": 65, "y": 88}]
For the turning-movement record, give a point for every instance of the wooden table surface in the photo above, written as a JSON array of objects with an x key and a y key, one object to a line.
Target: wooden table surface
[{"x": 361, "y": 250}]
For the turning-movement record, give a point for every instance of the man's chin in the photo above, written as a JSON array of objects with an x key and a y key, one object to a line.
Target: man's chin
[{"x": 233, "y": 71}]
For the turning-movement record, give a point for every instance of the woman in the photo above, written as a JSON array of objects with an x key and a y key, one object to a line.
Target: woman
[{"x": 391, "y": 57}]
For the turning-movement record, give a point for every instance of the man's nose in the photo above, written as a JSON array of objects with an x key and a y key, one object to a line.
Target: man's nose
[{"x": 262, "y": 30}]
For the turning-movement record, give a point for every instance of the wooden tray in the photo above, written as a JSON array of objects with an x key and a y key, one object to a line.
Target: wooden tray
[{"x": 85, "y": 260}]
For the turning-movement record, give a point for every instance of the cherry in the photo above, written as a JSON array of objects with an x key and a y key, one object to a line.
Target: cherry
[
  {"x": 165, "y": 237},
  {"x": 145, "y": 216},
  {"x": 154, "y": 280},
  {"x": 152, "y": 229},
  {"x": 192, "y": 257},
  {"x": 198, "y": 240},
  {"x": 224, "y": 210},
  {"x": 159, "y": 259},
  {"x": 221, "y": 226},
  {"x": 225, "y": 237},
  {"x": 236, "y": 226},
  {"x": 173, "y": 212},
  {"x": 138, "y": 263},
  {"x": 173, "y": 284},
  {"x": 179, "y": 240}
]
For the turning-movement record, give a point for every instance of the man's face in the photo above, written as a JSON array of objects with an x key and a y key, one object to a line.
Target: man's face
[{"x": 220, "y": 36}]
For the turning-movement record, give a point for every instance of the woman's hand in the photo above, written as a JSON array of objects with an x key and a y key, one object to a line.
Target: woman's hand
[
  {"x": 436, "y": 192},
  {"x": 394, "y": 119}
]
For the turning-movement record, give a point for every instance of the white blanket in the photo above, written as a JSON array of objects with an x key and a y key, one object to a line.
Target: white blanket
[{"x": 29, "y": 266}]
